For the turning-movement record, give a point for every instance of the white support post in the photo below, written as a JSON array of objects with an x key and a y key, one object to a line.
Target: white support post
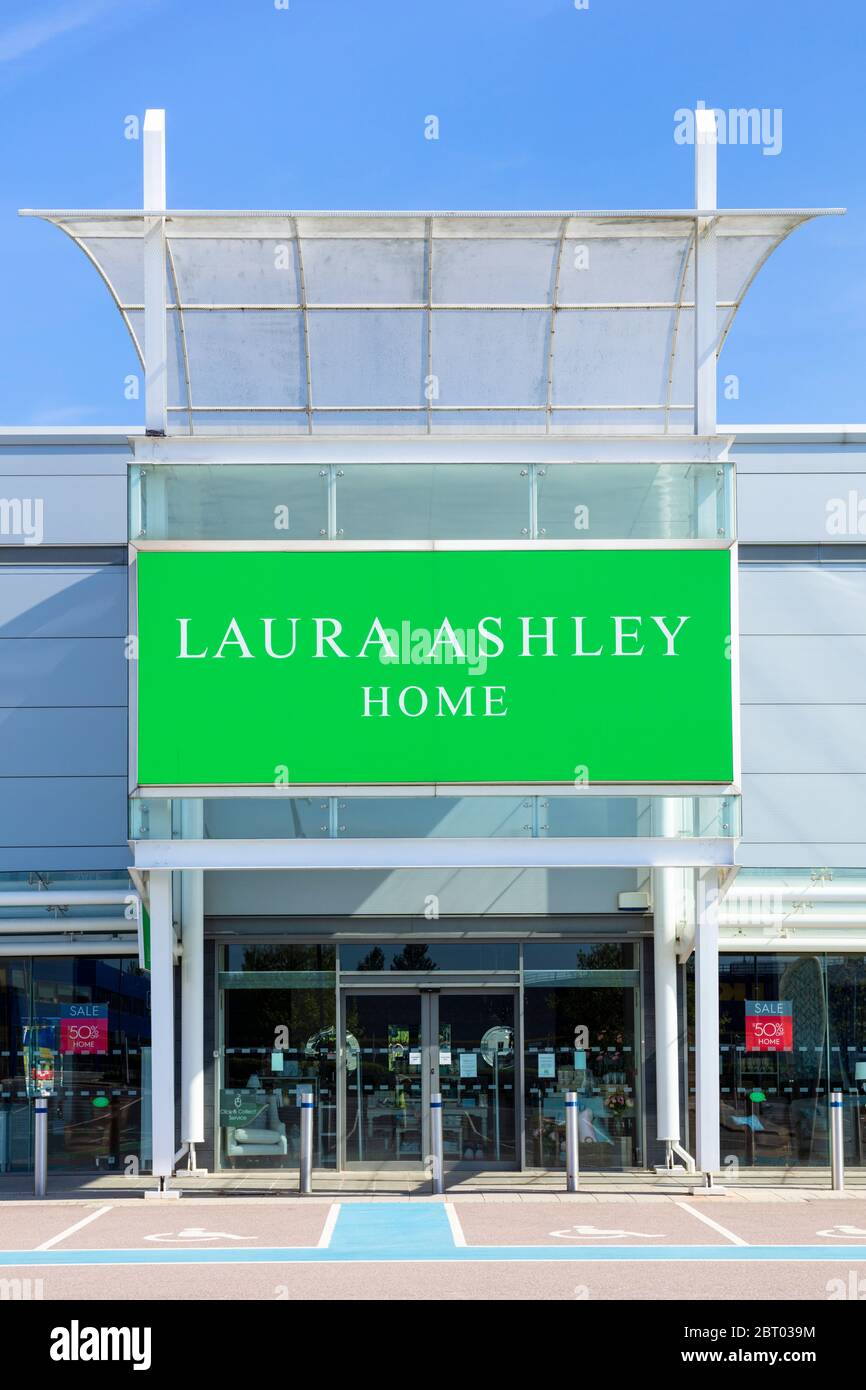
[
  {"x": 162, "y": 1023},
  {"x": 706, "y": 328},
  {"x": 192, "y": 990},
  {"x": 708, "y": 1151},
  {"x": 667, "y": 905},
  {"x": 155, "y": 332}
]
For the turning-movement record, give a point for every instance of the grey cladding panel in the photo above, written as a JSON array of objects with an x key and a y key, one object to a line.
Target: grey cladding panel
[
  {"x": 803, "y": 670},
  {"x": 62, "y": 601},
  {"x": 63, "y": 742},
  {"x": 65, "y": 812},
  {"x": 797, "y": 508},
  {"x": 820, "y": 599},
  {"x": 73, "y": 510},
  {"x": 798, "y": 808},
  {"x": 62, "y": 671}
]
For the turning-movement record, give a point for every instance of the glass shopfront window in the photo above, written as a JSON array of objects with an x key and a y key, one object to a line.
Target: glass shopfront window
[
  {"x": 78, "y": 1029},
  {"x": 279, "y": 1040},
  {"x": 438, "y": 955},
  {"x": 581, "y": 1008},
  {"x": 792, "y": 1028},
  {"x": 501, "y": 1029}
]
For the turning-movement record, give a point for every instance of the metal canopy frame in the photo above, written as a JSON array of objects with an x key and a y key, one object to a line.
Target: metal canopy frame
[{"x": 397, "y": 348}]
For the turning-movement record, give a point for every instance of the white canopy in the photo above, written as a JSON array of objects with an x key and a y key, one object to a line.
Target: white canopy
[{"x": 285, "y": 322}]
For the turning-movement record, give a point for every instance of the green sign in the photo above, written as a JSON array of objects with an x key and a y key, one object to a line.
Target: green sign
[{"x": 419, "y": 666}]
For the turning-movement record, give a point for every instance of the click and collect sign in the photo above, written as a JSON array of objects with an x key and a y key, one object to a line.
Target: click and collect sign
[
  {"x": 769, "y": 1025},
  {"x": 433, "y": 665},
  {"x": 84, "y": 1028}
]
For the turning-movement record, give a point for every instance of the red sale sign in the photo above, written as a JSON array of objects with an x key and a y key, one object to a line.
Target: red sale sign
[
  {"x": 84, "y": 1028},
  {"x": 769, "y": 1025}
]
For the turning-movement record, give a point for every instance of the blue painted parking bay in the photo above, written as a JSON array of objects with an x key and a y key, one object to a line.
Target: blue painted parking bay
[{"x": 383, "y": 1232}]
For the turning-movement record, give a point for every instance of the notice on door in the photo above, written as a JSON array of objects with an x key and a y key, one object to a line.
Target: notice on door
[{"x": 769, "y": 1025}]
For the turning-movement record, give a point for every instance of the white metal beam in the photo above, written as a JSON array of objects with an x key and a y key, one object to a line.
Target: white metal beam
[
  {"x": 26, "y": 946},
  {"x": 50, "y": 897},
  {"x": 192, "y": 989},
  {"x": 706, "y": 328},
  {"x": 8, "y": 925},
  {"x": 155, "y": 331},
  {"x": 633, "y": 448},
  {"x": 162, "y": 1024},
  {"x": 707, "y": 1148},
  {"x": 446, "y": 853},
  {"x": 667, "y": 886}
]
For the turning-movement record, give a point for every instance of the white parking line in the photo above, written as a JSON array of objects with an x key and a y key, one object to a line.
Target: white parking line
[
  {"x": 454, "y": 1223},
  {"x": 708, "y": 1221},
  {"x": 70, "y": 1230},
  {"x": 328, "y": 1228}
]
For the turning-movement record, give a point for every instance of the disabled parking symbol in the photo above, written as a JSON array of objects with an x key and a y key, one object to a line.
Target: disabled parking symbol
[
  {"x": 196, "y": 1233},
  {"x": 599, "y": 1233}
]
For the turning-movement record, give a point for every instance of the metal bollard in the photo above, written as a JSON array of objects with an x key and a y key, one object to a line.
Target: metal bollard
[
  {"x": 436, "y": 1147},
  {"x": 307, "y": 1102},
  {"x": 572, "y": 1162},
  {"x": 40, "y": 1147},
  {"x": 837, "y": 1141}
]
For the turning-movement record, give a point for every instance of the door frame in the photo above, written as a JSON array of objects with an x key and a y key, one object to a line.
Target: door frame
[
  {"x": 514, "y": 992},
  {"x": 429, "y": 1039}
]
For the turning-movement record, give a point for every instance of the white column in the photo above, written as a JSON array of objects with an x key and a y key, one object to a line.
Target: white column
[
  {"x": 667, "y": 907},
  {"x": 706, "y": 331},
  {"x": 708, "y": 1152},
  {"x": 192, "y": 986},
  {"x": 155, "y": 336},
  {"x": 162, "y": 1022}
]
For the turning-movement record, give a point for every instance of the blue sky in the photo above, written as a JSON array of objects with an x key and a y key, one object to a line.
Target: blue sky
[{"x": 323, "y": 105}]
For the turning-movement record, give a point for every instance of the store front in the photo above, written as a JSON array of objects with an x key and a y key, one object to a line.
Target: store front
[
  {"x": 792, "y": 1028},
  {"x": 433, "y": 571},
  {"x": 75, "y": 1030},
  {"x": 502, "y": 1030}
]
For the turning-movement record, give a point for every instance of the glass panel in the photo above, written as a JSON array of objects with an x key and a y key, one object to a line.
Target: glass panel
[
  {"x": 581, "y": 1023},
  {"x": 372, "y": 357},
  {"x": 241, "y": 270},
  {"x": 621, "y": 270},
  {"x": 296, "y": 957},
  {"x": 641, "y": 501},
  {"x": 279, "y": 1042},
  {"x": 122, "y": 261},
  {"x": 273, "y": 818},
  {"x": 210, "y": 502},
  {"x": 477, "y": 1077},
  {"x": 254, "y": 358},
  {"x": 373, "y": 270},
  {"x": 612, "y": 357},
  {"x": 490, "y": 358},
  {"x": 369, "y": 421},
  {"x": 382, "y": 1059},
  {"x": 776, "y": 1080},
  {"x": 421, "y": 956},
  {"x": 737, "y": 258},
  {"x": 427, "y": 817},
  {"x": 510, "y": 270},
  {"x": 80, "y": 1029},
  {"x": 467, "y": 817},
  {"x": 426, "y": 501}
]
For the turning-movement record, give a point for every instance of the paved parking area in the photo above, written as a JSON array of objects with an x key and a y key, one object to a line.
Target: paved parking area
[
  {"x": 544, "y": 1224},
  {"x": 567, "y": 1248}
]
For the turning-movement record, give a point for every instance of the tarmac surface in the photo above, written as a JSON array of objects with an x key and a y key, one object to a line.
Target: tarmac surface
[{"x": 500, "y": 1246}]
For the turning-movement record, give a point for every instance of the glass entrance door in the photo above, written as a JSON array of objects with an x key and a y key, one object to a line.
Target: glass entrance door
[
  {"x": 401, "y": 1046},
  {"x": 382, "y": 1079},
  {"x": 474, "y": 1068}
]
